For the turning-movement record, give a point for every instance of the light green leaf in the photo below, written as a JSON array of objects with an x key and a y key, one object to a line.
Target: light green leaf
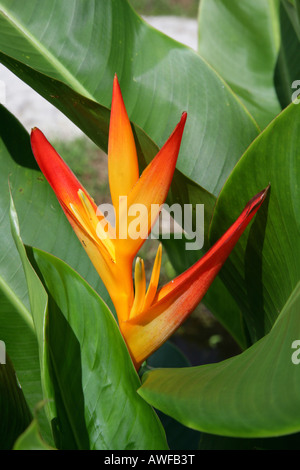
[
  {"x": 31, "y": 439},
  {"x": 254, "y": 394},
  {"x": 241, "y": 41}
]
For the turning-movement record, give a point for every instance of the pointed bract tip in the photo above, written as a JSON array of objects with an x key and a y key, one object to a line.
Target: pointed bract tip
[
  {"x": 116, "y": 81},
  {"x": 179, "y": 127},
  {"x": 262, "y": 195},
  {"x": 117, "y": 88},
  {"x": 257, "y": 200},
  {"x": 182, "y": 121}
]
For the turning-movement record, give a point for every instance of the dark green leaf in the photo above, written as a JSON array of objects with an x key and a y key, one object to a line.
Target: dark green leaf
[
  {"x": 14, "y": 411},
  {"x": 287, "y": 70}
]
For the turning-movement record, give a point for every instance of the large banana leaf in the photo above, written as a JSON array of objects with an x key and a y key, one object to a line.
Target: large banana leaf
[{"x": 241, "y": 40}]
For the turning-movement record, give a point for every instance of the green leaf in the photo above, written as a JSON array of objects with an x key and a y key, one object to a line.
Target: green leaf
[
  {"x": 14, "y": 411},
  {"x": 254, "y": 394},
  {"x": 241, "y": 41},
  {"x": 86, "y": 367},
  {"x": 159, "y": 77},
  {"x": 214, "y": 442},
  {"x": 31, "y": 439},
  {"x": 263, "y": 270},
  {"x": 16, "y": 323},
  {"x": 39, "y": 303},
  {"x": 287, "y": 70}
]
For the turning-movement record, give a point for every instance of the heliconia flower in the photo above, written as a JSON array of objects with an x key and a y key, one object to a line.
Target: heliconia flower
[
  {"x": 111, "y": 254},
  {"x": 147, "y": 316}
]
